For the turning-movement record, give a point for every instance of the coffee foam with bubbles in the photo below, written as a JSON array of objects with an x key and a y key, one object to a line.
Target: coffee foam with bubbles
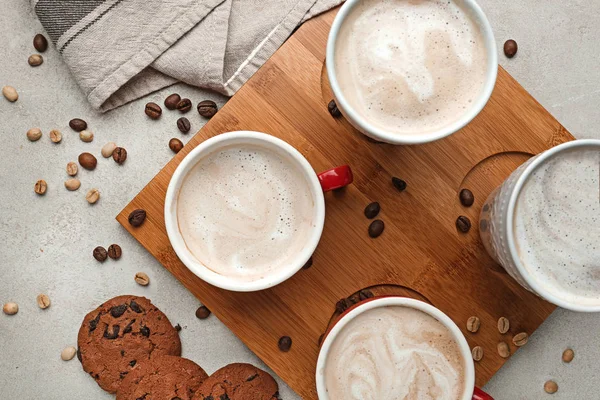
[
  {"x": 394, "y": 352},
  {"x": 245, "y": 211},
  {"x": 557, "y": 225},
  {"x": 410, "y": 66}
]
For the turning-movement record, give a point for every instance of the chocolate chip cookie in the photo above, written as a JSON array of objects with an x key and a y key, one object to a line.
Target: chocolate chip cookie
[
  {"x": 238, "y": 382},
  {"x": 162, "y": 378},
  {"x": 120, "y": 333}
]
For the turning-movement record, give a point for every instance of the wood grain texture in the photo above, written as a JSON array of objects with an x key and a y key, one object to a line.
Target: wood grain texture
[{"x": 420, "y": 248}]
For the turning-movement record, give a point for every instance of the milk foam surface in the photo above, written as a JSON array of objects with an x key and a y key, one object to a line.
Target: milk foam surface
[
  {"x": 245, "y": 211},
  {"x": 410, "y": 66},
  {"x": 557, "y": 225},
  {"x": 394, "y": 353}
]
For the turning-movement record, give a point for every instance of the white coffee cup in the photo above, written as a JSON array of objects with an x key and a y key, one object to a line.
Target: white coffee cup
[
  {"x": 382, "y": 135},
  {"x": 329, "y": 180}
]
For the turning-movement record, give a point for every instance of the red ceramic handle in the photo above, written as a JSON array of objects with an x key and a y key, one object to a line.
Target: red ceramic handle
[
  {"x": 336, "y": 178},
  {"x": 479, "y": 394}
]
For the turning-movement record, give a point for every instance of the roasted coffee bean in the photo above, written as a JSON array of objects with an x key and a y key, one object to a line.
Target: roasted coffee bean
[
  {"x": 145, "y": 331},
  {"x": 172, "y": 100},
  {"x": 68, "y": 353},
  {"x": 376, "y": 228},
  {"x": 175, "y": 145},
  {"x": 477, "y": 353},
  {"x": 135, "y": 307},
  {"x": 333, "y": 109},
  {"x": 399, "y": 184},
  {"x": 183, "y": 124},
  {"x": 365, "y": 294},
  {"x": 184, "y": 105},
  {"x": 43, "y": 301},
  {"x": 141, "y": 278},
  {"x": 568, "y": 355},
  {"x": 354, "y": 299},
  {"x": 285, "y": 343},
  {"x": 137, "y": 217},
  {"x": 35, "y": 60},
  {"x": 473, "y": 324},
  {"x": 10, "y": 93},
  {"x": 308, "y": 264},
  {"x": 100, "y": 253},
  {"x": 77, "y": 124},
  {"x": 119, "y": 155},
  {"x": 342, "y": 305},
  {"x": 463, "y": 224},
  {"x": 510, "y": 48},
  {"x": 153, "y": 110},
  {"x": 207, "y": 108},
  {"x": 114, "y": 251},
  {"x": 88, "y": 161},
  {"x": 372, "y": 210},
  {"x": 112, "y": 335},
  {"x": 551, "y": 387},
  {"x": 119, "y": 310},
  {"x": 503, "y": 325},
  {"x": 40, "y": 187},
  {"x": 202, "y": 312},
  {"x": 503, "y": 349},
  {"x": 520, "y": 339},
  {"x": 466, "y": 198},
  {"x": 40, "y": 43}
]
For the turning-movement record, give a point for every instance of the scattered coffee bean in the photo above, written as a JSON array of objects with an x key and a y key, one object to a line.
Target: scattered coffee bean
[
  {"x": 92, "y": 196},
  {"x": 40, "y": 187},
  {"x": 68, "y": 353},
  {"x": 376, "y": 228},
  {"x": 43, "y": 301},
  {"x": 342, "y": 305},
  {"x": 473, "y": 324},
  {"x": 55, "y": 136},
  {"x": 72, "y": 184},
  {"x": 119, "y": 155},
  {"x": 477, "y": 353},
  {"x": 87, "y": 161},
  {"x": 399, "y": 184},
  {"x": 333, "y": 109},
  {"x": 184, "y": 105},
  {"x": 137, "y": 217},
  {"x": 372, "y": 210},
  {"x": 114, "y": 251},
  {"x": 35, "y": 60},
  {"x": 510, "y": 48},
  {"x": 466, "y": 198},
  {"x": 503, "y": 350},
  {"x": 568, "y": 355},
  {"x": 72, "y": 169},
  {"x": 10, "y": 93},
  {"x": 100, "y": 254},
  {"x": 108, "y": 149},
  {"x": 503, "y": 325},
  {"x": 175, "y": 145},
  {"x": 463, "y": 224},
  {"x": 153, "y": 110},
  {"x": 142, "y": 279},
  {"x": 520, "y": 339},
  {"x": 10, "y": 308},
  {"x": 40, "y": 43},
  {"x": 551, "y": 387},
  {"x": 207, "y": 108},
  {"x": 308, "y": 264},
  {"x": 86, "y": 136},
  {"x": 34, "y": 134},
  {"x": 77, "y": 124},
  {"x": 202, "y": 312},
  {"x": 365, "y": 294},
  {"x": 183, "y": 124},
  {"x": 285, "y": 343},
  {"x": 172, "y": 100}
]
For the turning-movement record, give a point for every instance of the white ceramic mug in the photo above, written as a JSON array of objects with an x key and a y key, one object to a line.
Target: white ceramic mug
[
  {"x": 497, "y": 219},
  {"x": 470, "y": 392},
  {"x": 382, "y": 135},
  {"x": 328, "y": 180}
]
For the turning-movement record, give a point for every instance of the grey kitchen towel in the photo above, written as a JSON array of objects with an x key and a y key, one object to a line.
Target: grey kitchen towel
[{"x": 120, "y": 50}]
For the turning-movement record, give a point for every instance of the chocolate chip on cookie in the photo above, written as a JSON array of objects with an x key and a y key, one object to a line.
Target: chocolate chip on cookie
[
  {"x": 121, "y": 332},
  {"x": 164, "y": 377},
  {"x": 238, "y": 382}
]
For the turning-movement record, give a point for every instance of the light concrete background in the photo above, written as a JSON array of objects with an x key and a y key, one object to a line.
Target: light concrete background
[{"x": 46, "y": 242}]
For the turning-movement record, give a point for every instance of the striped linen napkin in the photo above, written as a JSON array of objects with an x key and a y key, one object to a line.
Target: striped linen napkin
[{"x": 121, "y": 50}]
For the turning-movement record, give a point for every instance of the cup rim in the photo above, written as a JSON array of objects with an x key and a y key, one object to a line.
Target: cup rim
[
  {"x": 395, "y": 138},
  {"x": 386, "y": 301},
  {"x": 509, "y": 221},
  {"x": 176, "y": 238}
]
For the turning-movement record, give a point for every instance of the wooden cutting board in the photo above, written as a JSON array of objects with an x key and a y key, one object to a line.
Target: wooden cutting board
[{"x": 420, "y": 254}]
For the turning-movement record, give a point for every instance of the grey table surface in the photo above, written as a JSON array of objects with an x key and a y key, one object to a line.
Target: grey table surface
[{"x": 46, "y": 242}]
